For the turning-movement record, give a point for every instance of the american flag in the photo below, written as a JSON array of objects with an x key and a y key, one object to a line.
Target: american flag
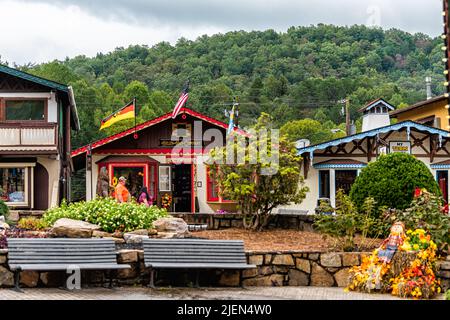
[{"x": 181, "y": 101}]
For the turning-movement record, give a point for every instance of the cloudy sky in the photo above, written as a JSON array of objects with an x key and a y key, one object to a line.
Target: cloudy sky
[{"x": 42, "y": 30}]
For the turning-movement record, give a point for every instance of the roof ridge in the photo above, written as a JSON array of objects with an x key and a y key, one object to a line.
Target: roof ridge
[
  {"x": 33, "y": 78},
  {"x": 147, "y": 124}
]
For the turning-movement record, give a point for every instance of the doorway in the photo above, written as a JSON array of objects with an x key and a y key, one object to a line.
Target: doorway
[
  {"x": 182, "y": 187},
  {"x": 442, "y": 179},
  {"x": 345, "y": 180}
]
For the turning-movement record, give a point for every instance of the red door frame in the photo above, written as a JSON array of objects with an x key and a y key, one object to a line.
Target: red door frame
[{"x": 146, "y": 165}]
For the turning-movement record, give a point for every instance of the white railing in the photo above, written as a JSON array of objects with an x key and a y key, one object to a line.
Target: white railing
[{"x": 27, "y": 135}]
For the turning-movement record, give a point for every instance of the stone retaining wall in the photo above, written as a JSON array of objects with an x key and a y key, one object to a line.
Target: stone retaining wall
[
  {"x": 300, "y": 269},
  {"x": 273, "y": 269}
]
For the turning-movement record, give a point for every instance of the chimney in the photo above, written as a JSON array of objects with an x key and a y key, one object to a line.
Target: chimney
[
  {"x": 429, "y": 92},
  {"x": 376, "y": 115}
]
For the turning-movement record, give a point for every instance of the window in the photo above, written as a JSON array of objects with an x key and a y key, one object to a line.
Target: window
[
  {"x": 164, "y": 178},
  {"x": 324, "y": 184},
  {"x": 13, "y": 186},
  {"x": 345, "y": 179},
  {"x": 25, "y": 110},
  {"x": 181, "y": 129}
]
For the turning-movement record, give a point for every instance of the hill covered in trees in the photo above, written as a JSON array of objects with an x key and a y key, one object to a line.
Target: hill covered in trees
[{"x": 301, "y": 73}]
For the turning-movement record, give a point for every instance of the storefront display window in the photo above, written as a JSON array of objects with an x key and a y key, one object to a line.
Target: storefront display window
[{"x": 13, "y": 185}]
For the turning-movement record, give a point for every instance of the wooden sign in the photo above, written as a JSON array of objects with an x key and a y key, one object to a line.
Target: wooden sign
[{"x": 400, "y": 147}]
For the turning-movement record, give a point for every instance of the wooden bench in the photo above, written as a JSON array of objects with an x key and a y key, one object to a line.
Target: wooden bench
[
  {"x": 56, "y": 254},
  {"x": 194, "y": 254}
]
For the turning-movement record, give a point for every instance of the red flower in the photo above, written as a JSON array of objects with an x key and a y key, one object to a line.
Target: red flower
[{"x": 417, "y": 192}]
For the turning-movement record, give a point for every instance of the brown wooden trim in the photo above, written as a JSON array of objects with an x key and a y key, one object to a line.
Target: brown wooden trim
[
  {"x": 38, "y": 152},
  {"x": 28, "y": 124}
]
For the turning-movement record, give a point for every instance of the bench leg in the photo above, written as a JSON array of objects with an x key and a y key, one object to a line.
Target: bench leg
[
  {"x": 152, "y": 279},
  {"x": 241, "y": 282},
  {"x": 17, "y": 281},
  {"x": 197, "y": 276}
]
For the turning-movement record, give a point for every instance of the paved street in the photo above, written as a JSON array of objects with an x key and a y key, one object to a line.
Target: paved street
[{"x": 252, "y": 293}]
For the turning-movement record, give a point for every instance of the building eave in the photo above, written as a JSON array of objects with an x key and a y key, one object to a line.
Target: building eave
[{"x": 371, "y": 133}]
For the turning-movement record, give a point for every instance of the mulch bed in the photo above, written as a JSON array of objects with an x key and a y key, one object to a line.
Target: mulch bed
[{"x": 282, "y": 240}]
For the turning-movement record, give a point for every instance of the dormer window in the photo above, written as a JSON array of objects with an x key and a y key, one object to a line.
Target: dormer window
[{"x": 24, "y": 110}]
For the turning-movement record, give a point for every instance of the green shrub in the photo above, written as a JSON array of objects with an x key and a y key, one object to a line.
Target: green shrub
[
  {"x": 348, "y": 222},
  {"x": 425, "y": 212},
  {"x": 391, "y": 181},
  {"x": 108, "y": 214},
  {"x": 32, "y": 224},
  {"x": 4, "y": 210}
]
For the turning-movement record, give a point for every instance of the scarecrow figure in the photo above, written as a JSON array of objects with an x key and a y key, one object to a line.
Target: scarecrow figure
[
  {"x": 385, "y": 254},
  {"x": 390, "y": 245}
]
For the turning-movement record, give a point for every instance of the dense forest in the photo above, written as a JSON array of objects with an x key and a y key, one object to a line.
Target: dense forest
[{"x": 298, "y": 76}]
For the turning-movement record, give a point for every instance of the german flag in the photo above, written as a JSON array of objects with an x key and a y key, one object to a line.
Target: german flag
[{"x": 127, "y": 112}]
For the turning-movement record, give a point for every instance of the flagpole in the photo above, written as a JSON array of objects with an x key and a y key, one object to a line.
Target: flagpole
[{"x": 135, "y": 115}]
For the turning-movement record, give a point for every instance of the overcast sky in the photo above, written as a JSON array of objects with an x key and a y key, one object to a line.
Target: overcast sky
[{"x": 43, "y": 30}]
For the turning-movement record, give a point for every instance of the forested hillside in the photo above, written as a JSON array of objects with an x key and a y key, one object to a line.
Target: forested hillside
[{"x": 297, "y": 74}]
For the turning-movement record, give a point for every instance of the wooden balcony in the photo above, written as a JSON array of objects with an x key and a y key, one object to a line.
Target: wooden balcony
[{"x": 33, "y": 137}]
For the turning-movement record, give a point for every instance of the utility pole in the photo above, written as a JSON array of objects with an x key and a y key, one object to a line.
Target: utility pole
[
  {"x": 347, "y": 117},
  {"x": 446, "y": 49},
  {"x": 346, "y": 112}
]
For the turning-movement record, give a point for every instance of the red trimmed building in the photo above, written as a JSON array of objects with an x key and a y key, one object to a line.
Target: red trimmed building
[{"x": 150, "y": 155}]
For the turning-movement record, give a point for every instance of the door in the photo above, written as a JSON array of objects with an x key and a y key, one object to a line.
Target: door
[
  {"x": 345, "y": 180},
  {"x": 442, "y": 179},
  {"x": 182, "y": 187}
]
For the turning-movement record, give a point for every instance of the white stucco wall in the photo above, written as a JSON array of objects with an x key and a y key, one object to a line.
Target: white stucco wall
[{"x": 53, "y": 169}]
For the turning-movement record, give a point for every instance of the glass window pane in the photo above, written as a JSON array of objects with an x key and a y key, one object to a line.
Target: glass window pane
[
  {"x": 12, "y": 184},
  {"x": 25, "y": 110},
  {"x": 164, "y": 178},
  {"x": 324, "y": 181}
]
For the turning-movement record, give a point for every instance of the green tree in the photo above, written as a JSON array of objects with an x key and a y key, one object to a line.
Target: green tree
[
  {"x": 260, "y": 186},
  {"x": 309, "y": 129}
]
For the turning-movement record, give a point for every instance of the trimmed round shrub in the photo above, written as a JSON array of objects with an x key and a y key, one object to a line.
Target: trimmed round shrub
[{"x": 391, "y": 181}]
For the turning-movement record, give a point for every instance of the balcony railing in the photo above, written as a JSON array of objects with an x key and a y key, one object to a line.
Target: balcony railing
[{"x": 28, "y": 135}]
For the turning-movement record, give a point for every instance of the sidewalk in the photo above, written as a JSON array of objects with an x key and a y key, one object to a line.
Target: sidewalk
[{"x": 251, "y": 293}]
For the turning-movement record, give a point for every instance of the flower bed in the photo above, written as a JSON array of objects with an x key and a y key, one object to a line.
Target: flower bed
[
  {"x": 411, "y": 273},
  {"x": 110, "y": 215}
]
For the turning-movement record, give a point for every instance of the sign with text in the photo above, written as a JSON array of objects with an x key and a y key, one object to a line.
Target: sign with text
[{"x": 400, "y": 146}]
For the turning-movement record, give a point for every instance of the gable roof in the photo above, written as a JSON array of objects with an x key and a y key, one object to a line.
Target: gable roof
[
  {"x": 371, "y": 133},
  {"x": 418, "y": 105},
  {"x": 67, "y": 90},
  {"x": 376, "y": 102},
  {"x": 148, "y": 124},
  {"x": 27, "y": 76}
]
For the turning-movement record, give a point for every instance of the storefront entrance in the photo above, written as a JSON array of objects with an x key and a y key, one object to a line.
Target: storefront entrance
[
  {"x": 345, "y": 180},
  {"x": 182, "y": 187}
]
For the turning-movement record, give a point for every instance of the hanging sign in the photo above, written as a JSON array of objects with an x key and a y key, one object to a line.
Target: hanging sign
[{"x": 400, "y": 146}]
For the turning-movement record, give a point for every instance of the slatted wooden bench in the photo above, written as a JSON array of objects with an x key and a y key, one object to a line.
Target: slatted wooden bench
[
  {"x": 56, "y": 254},
  {"x": 194, "y": 254}
]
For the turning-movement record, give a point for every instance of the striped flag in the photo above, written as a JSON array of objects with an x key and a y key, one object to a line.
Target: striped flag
[
  {"x": 127, "y": 112},
  {"x": 231, "y": 123},
  {"x": 181, "y": 101}
]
